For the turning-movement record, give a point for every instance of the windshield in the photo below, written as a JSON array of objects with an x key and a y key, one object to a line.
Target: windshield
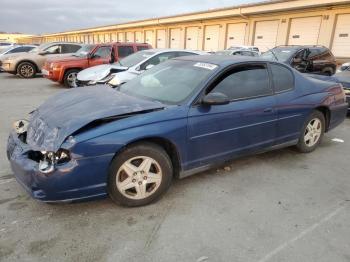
[
  {"x": 171, "y": 82},
  {"x": 279, "y": 54},
  {"x": 136, "y": 58},
  {"x": 5, "y": 50},
  {"x": 84, "y": 51}
]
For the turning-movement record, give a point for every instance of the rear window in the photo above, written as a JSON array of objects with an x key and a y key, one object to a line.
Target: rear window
[{"x": 140, "y": 48}]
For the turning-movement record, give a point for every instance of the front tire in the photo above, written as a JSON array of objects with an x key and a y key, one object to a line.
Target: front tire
[
  {"x": 70, "y": 78},
  {"x": 139, "y": 175},
  {"x": 26, "y": 70},
  {"x": 312, "y": 133}
]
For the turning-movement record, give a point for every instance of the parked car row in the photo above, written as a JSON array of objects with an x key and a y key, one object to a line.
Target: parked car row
[
  {"x": 172, "y": 118},
  {"x": 65, "y": 69}
]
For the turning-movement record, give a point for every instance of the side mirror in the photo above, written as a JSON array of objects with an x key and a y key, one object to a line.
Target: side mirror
[
  {"x": 215, "y": 99},
  {"x": 149, "y": 66},
  {"x": 43, "y": 53}
]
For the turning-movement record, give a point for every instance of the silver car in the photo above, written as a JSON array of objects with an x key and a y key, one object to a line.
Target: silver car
[
  {"x": 27, "y": 65},
  {"x": 129, "y": 67}
]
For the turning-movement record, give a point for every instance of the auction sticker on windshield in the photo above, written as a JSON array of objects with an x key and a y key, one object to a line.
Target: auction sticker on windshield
[{"x": 206, "y": 66}]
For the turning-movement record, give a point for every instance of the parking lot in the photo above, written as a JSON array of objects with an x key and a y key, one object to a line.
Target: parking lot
[{"x": 277, "y": 206}]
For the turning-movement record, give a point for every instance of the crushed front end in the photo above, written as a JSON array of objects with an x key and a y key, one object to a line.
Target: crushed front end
[{"x": 53, "y": 176}]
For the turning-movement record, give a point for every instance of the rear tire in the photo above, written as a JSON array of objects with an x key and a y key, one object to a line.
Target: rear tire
[
  {"x": 139, "y": 175},
  {"x": 328, "y": 71},
  {"x": 26, "y": 70},
  {"x": 312, "y": 132},
  {"x": 70, "y": 78}
]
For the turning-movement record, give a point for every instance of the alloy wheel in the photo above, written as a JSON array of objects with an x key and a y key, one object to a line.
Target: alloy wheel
[
  {"x": 27, "y": 70},
  {"x": 313, "y": 132},
  {"x": 139, "y": 177},
  {"x": 72, "y": 79}
]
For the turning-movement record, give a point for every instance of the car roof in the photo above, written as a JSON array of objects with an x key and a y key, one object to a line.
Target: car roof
[
  {"x": 221, "y": 60},
  {"x": 300, "y": 46}
]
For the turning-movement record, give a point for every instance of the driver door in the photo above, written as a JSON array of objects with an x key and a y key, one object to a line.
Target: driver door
[
  {"x": 102, "y": 55},
  {"x": 246, "y": 124}
]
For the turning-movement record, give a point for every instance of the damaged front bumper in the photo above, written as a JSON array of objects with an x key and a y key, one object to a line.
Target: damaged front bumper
[{"x": 78, "y": 179}]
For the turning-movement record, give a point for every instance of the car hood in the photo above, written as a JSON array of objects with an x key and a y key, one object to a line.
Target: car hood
[
  {"x": 63, "y": 114},
  {"x": 99, "y": 72}
]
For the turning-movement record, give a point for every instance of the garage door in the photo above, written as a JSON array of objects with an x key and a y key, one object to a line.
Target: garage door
[
  {"x": 266, "y": 34},
  {"x": 149, "y": 37},
  {"x": 341, "y": 42},
  {"x": 235, "y": 34},
  {"x": 192, "y": 37},
  {"x": 107, "y": 38},
  {"x": 114, "y": 37},
  {"x": 211, "y": 38},
  {"x": 175, "y": 38},
  {"x": 138, "y": 37},
  {"x": 304, "y": 31},
  {"x": 130, "y": 37},
  {"x": 121, "y": 37},
  {"x": 161, "y": 38}
]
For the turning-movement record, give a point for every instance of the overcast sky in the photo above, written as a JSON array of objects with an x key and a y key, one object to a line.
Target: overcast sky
[{"x": 40, "y": 16}]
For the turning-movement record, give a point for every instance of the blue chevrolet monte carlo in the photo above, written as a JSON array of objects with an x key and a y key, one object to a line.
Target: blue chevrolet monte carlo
[{"x": 178, "y": 118}]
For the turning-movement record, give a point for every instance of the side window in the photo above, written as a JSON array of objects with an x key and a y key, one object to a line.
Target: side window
[
  {"x": 184, "y": 54},
  {"x": 69, "y": 48},
  {"x": 158, "y": 59},
  {"x": 314, "y": 52},
  {"x": 247, "y": 53},
  {"x": 124, "y": 51},
  {"x": 245, "y": 82},
  {"x": 55, "y": 49},
  {"x": 103, "y": 52},
  {"x": 140, "y": 48},
  {"x": 282, "y": 78}
]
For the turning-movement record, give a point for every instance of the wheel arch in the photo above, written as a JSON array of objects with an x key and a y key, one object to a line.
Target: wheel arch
[
  {"x": 169, "y": 147},
  {"x": 65, "y": 70},
  {"x": 28, "y": 61},
  {"x": 327, "y": 115}
]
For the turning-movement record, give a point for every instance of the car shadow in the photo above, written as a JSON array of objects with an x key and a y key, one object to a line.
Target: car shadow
[{"x": 279, "y": 158}]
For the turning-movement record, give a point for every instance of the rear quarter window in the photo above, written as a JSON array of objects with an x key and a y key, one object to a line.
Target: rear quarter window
[
  {"x": 124, "y": 51},
  {"x": 282, "y": 77}
]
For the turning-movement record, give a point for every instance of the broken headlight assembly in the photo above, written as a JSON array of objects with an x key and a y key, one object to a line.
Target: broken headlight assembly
[{"x": 49, "y": 160}]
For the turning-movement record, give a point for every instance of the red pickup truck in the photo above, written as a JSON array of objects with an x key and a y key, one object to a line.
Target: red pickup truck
[{"x": 64, "y": 70}]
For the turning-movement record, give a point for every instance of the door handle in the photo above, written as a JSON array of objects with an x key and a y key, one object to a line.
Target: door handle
[{"x": 268, "y": 110}]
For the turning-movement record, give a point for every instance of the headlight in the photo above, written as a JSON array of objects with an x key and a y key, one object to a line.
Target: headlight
[
  {"x": 347, "y": 92},
  {"x": 50, "y": 159},
  {"x": 115, "y": 81},
  {"x": 105, "y": 80},
  {"x": 20, "y": 126}
]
